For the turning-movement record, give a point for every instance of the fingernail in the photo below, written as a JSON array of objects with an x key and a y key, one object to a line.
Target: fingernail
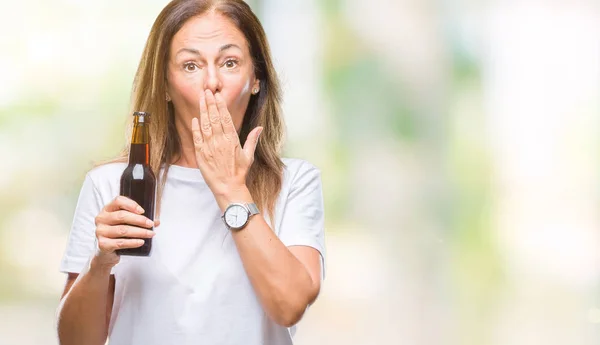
[
  {"x": 151, "y": 233},
  {"x": 140, "y": 209},
  {"x": 149, "y": 222}
]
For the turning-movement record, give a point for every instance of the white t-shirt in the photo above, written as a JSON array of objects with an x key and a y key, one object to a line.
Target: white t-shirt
[{"x": 193, "y": 288}]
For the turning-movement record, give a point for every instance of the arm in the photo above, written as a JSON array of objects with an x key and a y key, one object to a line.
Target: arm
[
  {"x": 286, "y": 279},
  {"x": 86, "y": 306}
]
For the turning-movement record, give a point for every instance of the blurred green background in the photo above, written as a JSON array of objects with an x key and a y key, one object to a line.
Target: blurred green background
[{"x": 458, "y": 142}]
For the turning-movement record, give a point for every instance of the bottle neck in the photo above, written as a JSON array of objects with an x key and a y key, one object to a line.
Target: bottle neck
[{"x": 139, "y": 152}]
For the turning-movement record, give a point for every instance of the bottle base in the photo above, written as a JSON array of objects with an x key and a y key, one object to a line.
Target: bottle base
[{"x": 144, "y": 250}]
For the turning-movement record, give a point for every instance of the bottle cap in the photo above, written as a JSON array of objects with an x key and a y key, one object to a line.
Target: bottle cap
[{"x": 141, "y": 116}]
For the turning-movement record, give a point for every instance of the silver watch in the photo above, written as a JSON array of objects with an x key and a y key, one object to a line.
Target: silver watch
[{"x": 237, "y": 215}]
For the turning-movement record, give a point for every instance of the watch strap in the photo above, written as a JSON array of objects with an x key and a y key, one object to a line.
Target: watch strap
[{"x": 252, "y": 208}]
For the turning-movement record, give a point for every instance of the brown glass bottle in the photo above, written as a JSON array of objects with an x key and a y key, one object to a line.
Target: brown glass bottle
[{"x": 138, "y": 181}]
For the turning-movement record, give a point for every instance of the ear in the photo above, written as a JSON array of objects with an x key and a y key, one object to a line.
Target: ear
[{"x": 256, "y": 84}]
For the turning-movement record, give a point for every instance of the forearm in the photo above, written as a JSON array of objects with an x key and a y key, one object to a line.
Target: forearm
[
  {"x": 280, "y": 280},
  {"x": 82, "y": 314}
]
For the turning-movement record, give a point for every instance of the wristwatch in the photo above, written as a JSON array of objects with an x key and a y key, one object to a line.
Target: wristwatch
[{"x": 237, "y": 215}]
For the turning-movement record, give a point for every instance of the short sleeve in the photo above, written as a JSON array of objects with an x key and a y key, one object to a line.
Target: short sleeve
[
  {"x": 81, "y": 244},
  {"x": 302, "y": 222}
]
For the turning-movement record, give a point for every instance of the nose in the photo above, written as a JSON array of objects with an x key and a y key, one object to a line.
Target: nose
[{"x": 212, "y": 81}]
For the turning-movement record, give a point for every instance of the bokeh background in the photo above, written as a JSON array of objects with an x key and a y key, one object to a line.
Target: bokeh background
[{"x": 458, "y": 142}]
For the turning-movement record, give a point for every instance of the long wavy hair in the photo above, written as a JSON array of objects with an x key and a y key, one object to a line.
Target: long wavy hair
[{"x": 264, "y": 179}]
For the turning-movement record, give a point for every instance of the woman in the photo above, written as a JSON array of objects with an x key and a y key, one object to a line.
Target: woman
[{"x": 207, "y": 78}]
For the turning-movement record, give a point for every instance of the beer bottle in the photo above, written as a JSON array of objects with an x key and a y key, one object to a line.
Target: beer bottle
[{"x": 138, "y": 181}]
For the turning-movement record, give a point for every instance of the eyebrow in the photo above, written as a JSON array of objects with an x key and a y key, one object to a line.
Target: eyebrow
[
  {"x": 196, "y": 52},
  {"x": 228, "y": 46}
]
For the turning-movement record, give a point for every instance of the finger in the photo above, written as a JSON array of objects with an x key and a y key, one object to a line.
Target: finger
[
  {"x": 252, "y": 142},
  {"x": 226, "y": 121},
  {"x": 120, "y": 231},
  {"x": 205, "y": 127},
  {"x": 110, "y": 245},
  {"x": 156, "y": 223},
  {"x": 197, "y": 133},
  {"x": 126, "y": 217},
  {"x": 124, "y": 203},
  {"x": 213, "y": 113}
]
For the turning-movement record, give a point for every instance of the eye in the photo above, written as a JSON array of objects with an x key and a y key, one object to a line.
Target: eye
[
  {"x": 190, "y": 67},
  {"x": 231, "y": 63}
]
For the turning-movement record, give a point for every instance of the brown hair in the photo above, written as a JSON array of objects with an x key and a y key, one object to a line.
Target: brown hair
[{"x": 264, "y": 179}]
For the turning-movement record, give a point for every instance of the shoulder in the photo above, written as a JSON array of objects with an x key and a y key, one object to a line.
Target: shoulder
[
  {"x": 295, "y": 166},
  {"x": 299, "y": 171},
  {"x": 106, "y": 173},
  {"x": 301, "y": 194}
]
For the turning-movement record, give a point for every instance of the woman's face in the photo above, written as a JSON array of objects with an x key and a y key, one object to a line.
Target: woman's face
[{"x": 210, "y": 52}]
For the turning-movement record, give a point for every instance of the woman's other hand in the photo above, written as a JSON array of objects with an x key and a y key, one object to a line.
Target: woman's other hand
[{"x": 220, "y": 157}]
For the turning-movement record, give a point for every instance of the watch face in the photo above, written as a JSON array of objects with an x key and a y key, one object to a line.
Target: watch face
[{"x": 236, "y": 216}]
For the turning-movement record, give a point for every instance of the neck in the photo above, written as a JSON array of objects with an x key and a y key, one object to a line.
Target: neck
[
  {"x": 188, "y": 151},
  {"x": 139, "y": 154}
]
